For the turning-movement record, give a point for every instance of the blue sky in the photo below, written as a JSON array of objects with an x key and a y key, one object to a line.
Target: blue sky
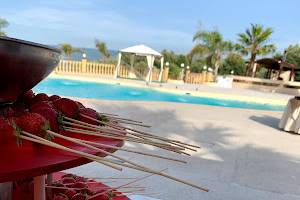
[{"x": 161, "y": 24}]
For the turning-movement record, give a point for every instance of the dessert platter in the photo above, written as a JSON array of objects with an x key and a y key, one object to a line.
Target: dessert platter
[{"x": 41, "y": 134}]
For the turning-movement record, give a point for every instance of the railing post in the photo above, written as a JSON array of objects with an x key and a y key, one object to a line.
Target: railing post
[
  {"x": 165, "y": 74},
  {"x": 83, "y": 65},
  {"x": 187, "y": 75}
]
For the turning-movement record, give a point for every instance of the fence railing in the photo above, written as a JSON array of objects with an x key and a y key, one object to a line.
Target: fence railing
[{"x": 106, "y": 69}]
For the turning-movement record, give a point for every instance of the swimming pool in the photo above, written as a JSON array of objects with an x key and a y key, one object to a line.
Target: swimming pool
[{"x": 93, "y": 90}]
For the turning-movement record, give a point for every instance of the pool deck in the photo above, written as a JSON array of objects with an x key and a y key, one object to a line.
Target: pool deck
[
  {"x": 203, "y": 90},
  {"x": 244, "y": 155}
]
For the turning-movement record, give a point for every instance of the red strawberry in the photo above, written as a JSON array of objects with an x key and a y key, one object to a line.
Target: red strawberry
[
  {"x": 27, "y": 97},
  {"x": 89, "y": 112},
  {"x": 40, "y": 97},
  {"x": 19, "y": 108},
  {"x": 60, "y": 197},
  {"x": 33, "y": 123},
  {"x": 79, "y": 197},
  {"x": 54, "y": 97},
  {"x": 59, "y": 188},
  {"x": 67, "y": 107},
  {"x": 7, "y": 131},
  {"x": 67, "y": 180},
  {"x": 70, "y": 193},
  {"x": 78, "y": 185},
  {"x": 80, "y": 105},
  {"x": 39, "y": 104},
  {"x": 49, "y": 114}
]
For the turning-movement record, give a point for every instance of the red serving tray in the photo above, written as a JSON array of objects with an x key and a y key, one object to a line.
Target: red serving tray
[
  {"x": 31, "y": 160},
  {"x": 18, "y": 194}
]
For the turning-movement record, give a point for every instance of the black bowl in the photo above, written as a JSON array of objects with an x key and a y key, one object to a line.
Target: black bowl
[{"x": 23, "y": 64}]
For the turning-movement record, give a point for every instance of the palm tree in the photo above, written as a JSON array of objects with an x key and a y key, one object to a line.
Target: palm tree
[
  {"x": 68, "y": 50},
  {"x": 255, "y": 42},
  {"x": 3, "y": 24},
  {"x": 101, "y": 46},
  {"x": 211, "y": 46}
]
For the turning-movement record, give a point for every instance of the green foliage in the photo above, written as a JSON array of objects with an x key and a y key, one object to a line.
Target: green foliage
[
  {"x": 102, "y": 48},
  {"x": 3, "y": 24},
  {"x": 175, "y": 61},
  {"x": 68, "y": 49},
  {"x": 233, "y": 62},
  {"x": 292, "y": 54},
  {"x": 210, "y": 48},
  {"x": 255, "y": 42}
]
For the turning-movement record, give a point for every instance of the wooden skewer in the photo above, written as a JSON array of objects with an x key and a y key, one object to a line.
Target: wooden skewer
[
  {"x": 159, "y": 145},
  {"x": 129, "y": 183},
  {"x": 108, "y": 114},
  {"x": 120, "y": 118},
  {"x": 95, "y": 148},
  {"x": 124, "y": 128},
  {"x": 39, "y": 140},
  {"x": 131, "y": 123},
  {"x": 133, "y": 151},
  {"x": 122, "y": 137},
  {"x": 141, "y": 132}
]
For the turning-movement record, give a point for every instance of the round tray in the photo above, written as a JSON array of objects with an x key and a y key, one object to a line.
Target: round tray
[{"x": 31, "y": 160}]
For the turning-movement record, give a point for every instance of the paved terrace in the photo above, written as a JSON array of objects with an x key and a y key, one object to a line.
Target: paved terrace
[{"x": 243, "y": 155}]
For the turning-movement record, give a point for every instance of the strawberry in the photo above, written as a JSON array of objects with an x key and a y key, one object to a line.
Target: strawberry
[
  {"x": 47, "y": 104},
  {"x": 40, "y": 97},
  {"x": 89, "y": 112},
  {"x": 80, "y": 105},
  {"x": 34, "y": 123},
  {"x": 60, "y": 197},
  {"x": 19, "y": 108},
  {"x": 49, "y": 114},
  {"x": 78, "y": 185},
  {"x": 59, "y": 188},
  {"x": 54, "y": 97},
  {"x": 67, "y": 107},
  {"x": 27, "y": 97},
  {"x": 70, "y": 193},
  {"x": 7, "y": 132},
  {"x": 67, "y": 180},
  {"x": 79, "y": 197}
]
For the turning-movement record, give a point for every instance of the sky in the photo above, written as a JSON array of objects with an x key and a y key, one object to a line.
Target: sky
[{"x": 160, "y": 24}]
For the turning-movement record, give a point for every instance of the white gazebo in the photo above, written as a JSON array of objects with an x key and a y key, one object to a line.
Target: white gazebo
[{"x": 141, "y": 50}]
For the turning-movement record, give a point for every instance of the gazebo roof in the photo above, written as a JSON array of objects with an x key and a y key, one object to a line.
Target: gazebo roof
[
  {"x": 275, "y": 64},
  {"x": 141, "y": 50}
]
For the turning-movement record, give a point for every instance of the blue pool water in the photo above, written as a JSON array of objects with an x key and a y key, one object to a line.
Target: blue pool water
[{"x": 118, "y": 92}]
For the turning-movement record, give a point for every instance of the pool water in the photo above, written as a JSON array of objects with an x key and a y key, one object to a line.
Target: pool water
[{"x": 93, "y": 90}]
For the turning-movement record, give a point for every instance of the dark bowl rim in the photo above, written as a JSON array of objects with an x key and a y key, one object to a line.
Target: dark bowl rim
[{"x": 29, "y": 43}]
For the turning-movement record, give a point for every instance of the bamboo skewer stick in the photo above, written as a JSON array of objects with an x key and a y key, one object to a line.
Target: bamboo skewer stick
[
  {"x": 97, "y": 149},
  {"x": 141, "y": 132},
  {"x": 39, "y": 140},
  {"x": 131, "y": 123},
  {"x": 120, "y": 118},
  {"x": 129, "y": 183},
  {"x": 46, "y": 142},
  {"x": 122, "y": 128},
  {"x": 133, "y": 151},
  {"x": 122, "y": 137},
  {"x": 169, "y": 148}
]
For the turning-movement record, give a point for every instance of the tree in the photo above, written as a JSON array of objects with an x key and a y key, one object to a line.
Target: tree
[
  {"x": 233, "y": 62},
  {"x": 255, "y": 42},
  {"x": 174, "y": 61},
  {"x": 68, "y": 50},
  {"x": 3, "y": 24},
  {"x": 292, "y": 55},
  {"x": 211, "y": 47},
  {"x": 101, "y": 46}
]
